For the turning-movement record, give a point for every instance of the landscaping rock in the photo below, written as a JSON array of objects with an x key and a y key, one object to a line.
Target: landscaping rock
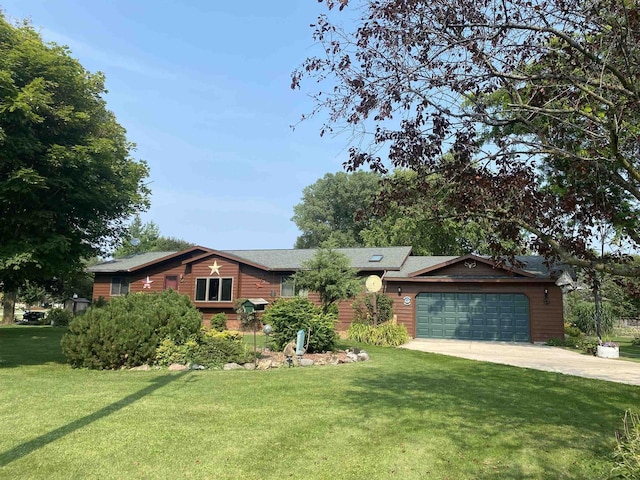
[
  {"x": 352, "y": 356},
  {"x": 305, "y": 362},
  {"x": 197, "y": 366},
  {"x": 232, "y": 366},
  {"x": 290, "y": 349},
  {"x": 264, "y": 364},
  {"x": 363, "y": 356},
  {"x": 177, "y": 367},
  {"x": 142, "y": 368},
  {"x": 249, "y": 366}
]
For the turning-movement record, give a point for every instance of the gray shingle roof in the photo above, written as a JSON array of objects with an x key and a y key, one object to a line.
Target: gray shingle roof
[
  {"x": 532, "y": 264},
  {"x": 127, "y": 263},
  {"x": 396, "y": 261},
  {"x": 293, "y": 259}
]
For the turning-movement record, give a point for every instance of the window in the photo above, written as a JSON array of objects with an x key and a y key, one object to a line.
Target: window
[
  {"x": 376, "y": 258},
  {"x": 214, "y": 289},
  {"x": 288, "y": 288},
  {"x": 119, "y": 286}
]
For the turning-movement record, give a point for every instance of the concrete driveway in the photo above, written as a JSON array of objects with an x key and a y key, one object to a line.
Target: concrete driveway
[{"x": 539, "y": 357}]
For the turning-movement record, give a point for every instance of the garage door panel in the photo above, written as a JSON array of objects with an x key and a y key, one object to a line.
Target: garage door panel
[{"x": 476, "y": 316}]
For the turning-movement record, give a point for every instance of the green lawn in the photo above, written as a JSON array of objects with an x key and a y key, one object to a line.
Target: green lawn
[
  {"x": 402, "y": 415},
  {"x": 627, "y": 350}
]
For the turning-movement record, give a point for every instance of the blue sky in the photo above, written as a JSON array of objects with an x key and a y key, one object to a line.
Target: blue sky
[{"x": 202, "y": 88}]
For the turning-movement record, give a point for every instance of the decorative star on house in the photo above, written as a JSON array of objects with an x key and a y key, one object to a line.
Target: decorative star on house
[
  {"x": 147, "y": 282},
  {"x": 215, "y": 268}
]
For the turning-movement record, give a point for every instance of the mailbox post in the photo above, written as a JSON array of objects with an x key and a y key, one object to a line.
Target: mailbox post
[{"x": 250, "y": 309}]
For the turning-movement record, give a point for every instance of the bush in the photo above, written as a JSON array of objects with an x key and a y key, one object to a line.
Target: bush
[
  {"x": 583, "y": 316},
  {"x": 288, "y": 315},
  {"x": 627, "y": 452},
  {"x": 59, "y": 317},
  {"x": 388, "y": 334},
  {"x": 128, "y": 330},
  {"x": 636, "y": 341},
  {"x": 169, "y": 352},
  {"x": 589, "y": 345},
  {"x": 212, "y": 349},
  {"x": 363, "y": 309},
  {"x": 217, "y": 348},
  {"x": 219, "y": 322},
  {"x": 572, "y": 331}
]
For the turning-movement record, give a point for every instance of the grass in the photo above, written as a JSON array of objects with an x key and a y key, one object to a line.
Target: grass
[
  {"x": 627, "y": 350},
  {"x": 404, "y": 414}
]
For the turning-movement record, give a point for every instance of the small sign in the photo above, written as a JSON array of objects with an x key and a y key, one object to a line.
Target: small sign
[{"x": 407, "y": 300}]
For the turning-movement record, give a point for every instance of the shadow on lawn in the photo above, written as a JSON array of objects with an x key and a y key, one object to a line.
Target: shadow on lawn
[
  {"x": 26, "y": 448},
  {"x": 479, "y": 406}
]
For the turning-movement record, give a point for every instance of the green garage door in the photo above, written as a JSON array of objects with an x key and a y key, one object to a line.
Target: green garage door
[{"x": 473, "y": 316}]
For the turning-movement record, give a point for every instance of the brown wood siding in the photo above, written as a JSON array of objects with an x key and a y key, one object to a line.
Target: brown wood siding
[
  {"x": 546, "y": 319},
  {"x": 460, "y": 270},
  {"x": 101, "y": 286},
  {"x": 256, "y": 283},
  {"x": 157, "y": 275}
]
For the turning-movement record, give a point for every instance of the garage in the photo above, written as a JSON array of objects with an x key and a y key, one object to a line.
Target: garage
[{"x": 473, "y": 316}]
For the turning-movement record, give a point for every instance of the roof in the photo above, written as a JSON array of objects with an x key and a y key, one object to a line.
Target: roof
[
  {"x": 128, "y": 263},
  {"x": 533, "y": 265},
  {"x": 396, "y": 262},
  {"x": 134, "y": 262},
  {"x": 293, "y": 259}
]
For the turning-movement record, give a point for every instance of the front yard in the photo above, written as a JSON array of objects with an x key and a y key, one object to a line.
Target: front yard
[{"x": 403, "y": 414}]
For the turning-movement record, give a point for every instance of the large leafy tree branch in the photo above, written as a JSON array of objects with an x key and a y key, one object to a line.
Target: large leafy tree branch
[
  {"x": 538, "y": 102},
  {"x": 67, "y": 178}
]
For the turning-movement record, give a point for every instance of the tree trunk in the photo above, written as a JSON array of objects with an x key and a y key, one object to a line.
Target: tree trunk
[
  {"x": 9, "y": 306},
  {"x": 598, "y": 309}
]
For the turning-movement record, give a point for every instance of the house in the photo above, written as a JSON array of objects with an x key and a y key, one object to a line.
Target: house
[{"x": 466, "y": 297}]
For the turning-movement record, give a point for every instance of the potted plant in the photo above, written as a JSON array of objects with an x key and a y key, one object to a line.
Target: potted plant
[{"x": 608, "y": 350}]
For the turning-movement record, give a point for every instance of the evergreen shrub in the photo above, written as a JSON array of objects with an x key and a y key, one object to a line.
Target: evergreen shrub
[
  {"x": 127, "y": 331},
  {"x": 212, "y": 349},
  {"x": 288, "y": 315},
  {"x": 219, "y": 322},
  {"x": 58, "y": 317},
  {"x": 217, "y": 348}
]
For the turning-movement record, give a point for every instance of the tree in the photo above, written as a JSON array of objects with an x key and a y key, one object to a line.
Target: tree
[
  {"x": 329, "y": 207},
  {"x": 145, "y": 237},
  {"x": 537, "y": 102},
  {"x": 139, "y": 237},
  {"x": 328, "y": 273},
  {"x": 421, "y": 218},
  {"x": 67, "y": 178},
  {"x": 357, "y": 210}
]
